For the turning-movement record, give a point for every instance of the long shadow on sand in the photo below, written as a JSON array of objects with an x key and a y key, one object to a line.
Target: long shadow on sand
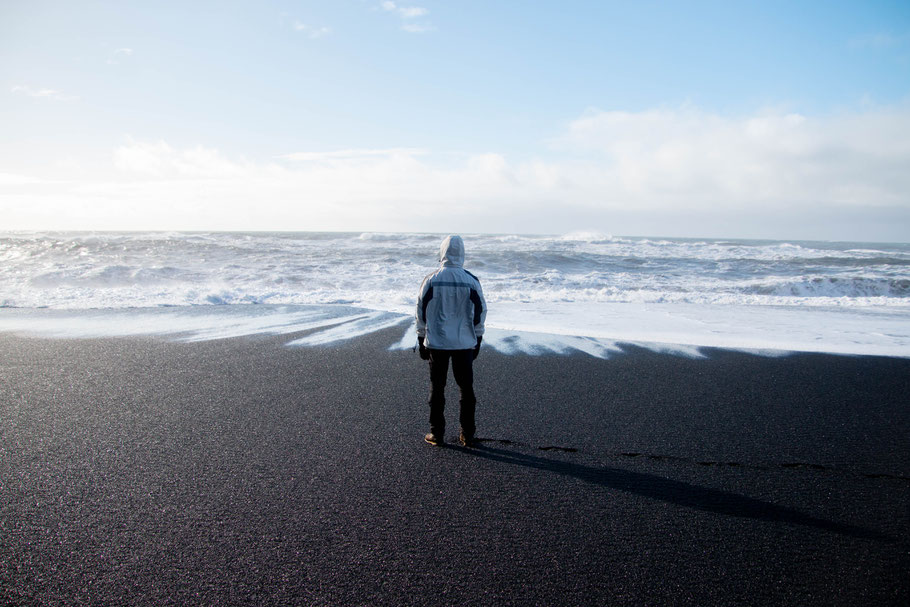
[{"x": 675, "y": 492}]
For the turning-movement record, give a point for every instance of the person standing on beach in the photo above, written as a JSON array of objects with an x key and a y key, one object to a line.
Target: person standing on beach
[{"x": 450, "y": 316}]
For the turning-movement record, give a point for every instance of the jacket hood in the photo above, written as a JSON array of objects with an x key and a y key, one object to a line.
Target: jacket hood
[{"x": 451, "y": 252}]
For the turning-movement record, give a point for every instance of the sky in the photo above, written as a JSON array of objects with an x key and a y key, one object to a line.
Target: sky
[{"x": 781, "y": 120}]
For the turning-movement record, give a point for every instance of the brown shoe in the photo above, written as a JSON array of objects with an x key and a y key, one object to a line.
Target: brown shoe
[
  {"x": 433, "y": 439},
  {"x": 467, "y": 441}
]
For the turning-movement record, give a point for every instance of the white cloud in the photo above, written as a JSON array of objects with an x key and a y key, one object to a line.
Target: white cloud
[
  {"x": 407, "y": 14},
  {"x": 118, "y": 55},
  {"x": 13, "y": 179},
  {"x": 41, "y": 93},
  {"x": 311, "y": 31},
  {"x": 659, "y": 172},
  {"x": 160, "y": 186},
  {"x": 670, "y": 157},
  {"x": 352, "y": 154},
  {"x": 161, "y": 160},
  {"x": 410, "y": 12}
]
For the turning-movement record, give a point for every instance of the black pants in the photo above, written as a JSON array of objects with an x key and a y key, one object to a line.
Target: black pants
[{"x": 463, "y": 369}]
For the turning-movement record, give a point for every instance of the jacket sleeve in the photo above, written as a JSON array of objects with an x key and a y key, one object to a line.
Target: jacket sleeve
[
  {"x": 423, "y": 298},
  {"x": 480, "y": 308}
]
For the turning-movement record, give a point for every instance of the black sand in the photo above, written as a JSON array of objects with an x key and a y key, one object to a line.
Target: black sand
[{"x": 244, "y": 472}]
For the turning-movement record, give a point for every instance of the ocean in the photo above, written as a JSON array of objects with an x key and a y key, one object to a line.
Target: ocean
[{"x": 581, "y": 291}]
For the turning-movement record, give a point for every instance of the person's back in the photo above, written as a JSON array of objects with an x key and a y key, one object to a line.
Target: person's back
[
  {"x": 450, "y": 325},
  {"x": 451, "y": 312}
]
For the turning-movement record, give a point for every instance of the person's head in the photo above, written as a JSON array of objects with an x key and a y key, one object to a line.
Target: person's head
[{"x": 451, "y": 252}]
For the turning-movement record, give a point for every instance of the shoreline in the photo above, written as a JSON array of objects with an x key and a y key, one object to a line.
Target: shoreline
[
  {"x": 668, "y": 328},
  {"x": 148, "y": 471}
]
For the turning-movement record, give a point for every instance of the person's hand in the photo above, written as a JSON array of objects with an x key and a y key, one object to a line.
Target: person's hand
[
  {"x": 477, "y": 348},
  {"x": 424, "y": 353}
]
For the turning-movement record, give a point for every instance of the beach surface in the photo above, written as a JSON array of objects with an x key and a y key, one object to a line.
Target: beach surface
[{"x": 243, "y": 471}]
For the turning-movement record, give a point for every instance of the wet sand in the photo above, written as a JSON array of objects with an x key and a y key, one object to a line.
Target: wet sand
[{"x": 244, "y": 472}]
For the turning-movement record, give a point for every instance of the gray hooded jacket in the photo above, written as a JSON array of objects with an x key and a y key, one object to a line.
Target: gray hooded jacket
[{"x": 450, "y": 306}]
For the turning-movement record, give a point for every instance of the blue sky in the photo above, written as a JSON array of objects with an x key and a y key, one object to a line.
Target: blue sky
[{"x": 727, "y": 119}]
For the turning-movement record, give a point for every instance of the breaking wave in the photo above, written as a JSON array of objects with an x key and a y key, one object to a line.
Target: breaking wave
[{"x": 382, "y": 270}]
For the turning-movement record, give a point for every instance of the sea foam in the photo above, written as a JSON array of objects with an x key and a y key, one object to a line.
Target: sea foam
[{"x": 832, "y": 297}]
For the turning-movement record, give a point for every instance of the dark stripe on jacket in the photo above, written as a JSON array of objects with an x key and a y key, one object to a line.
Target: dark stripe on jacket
[
  {"x": 426, "y": 301},
  {"x": 478, "y": 308}
]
